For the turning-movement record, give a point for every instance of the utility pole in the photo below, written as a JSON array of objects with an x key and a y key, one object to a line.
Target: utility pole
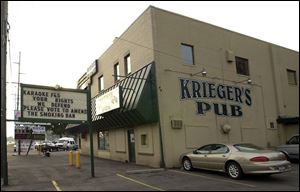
[
  {"x": 4, "y": 22},
  {"x": 18, "y": 93},
  {"x": 18, "y": 98}
]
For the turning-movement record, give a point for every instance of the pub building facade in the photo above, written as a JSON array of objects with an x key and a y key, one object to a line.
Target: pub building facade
[{"x": 170, "y": 84}]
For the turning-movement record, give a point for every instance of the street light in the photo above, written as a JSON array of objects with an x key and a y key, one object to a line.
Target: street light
[
  {"x": 203, "y": 72},
  {"x": 248, "y": 80}
]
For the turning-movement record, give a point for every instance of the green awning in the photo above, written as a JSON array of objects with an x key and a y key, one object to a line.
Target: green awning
[
  {"x": 287, "y": 120},
  {"x": 139, "y": 101}
]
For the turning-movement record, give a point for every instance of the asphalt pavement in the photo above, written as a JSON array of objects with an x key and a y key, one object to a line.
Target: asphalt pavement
[{"x": 40, "y": 173}]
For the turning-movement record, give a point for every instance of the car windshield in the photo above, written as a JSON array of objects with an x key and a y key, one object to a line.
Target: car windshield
[
  {"x": 61, "y": 141},
  {"x": 247, "y": 147}
]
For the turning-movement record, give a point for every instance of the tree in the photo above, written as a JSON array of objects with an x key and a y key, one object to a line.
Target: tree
[{"x": 57, "y": 128}]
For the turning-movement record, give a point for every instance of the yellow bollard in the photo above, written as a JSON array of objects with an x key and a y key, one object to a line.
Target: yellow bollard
[
  {"x": 71, "y": 158},
  {"x": 77, "y": 160}
]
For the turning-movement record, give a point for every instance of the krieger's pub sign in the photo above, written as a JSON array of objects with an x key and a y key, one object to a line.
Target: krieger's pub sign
[
  {"x": 202, "y": 91},
  {"x": 41, "y": 103}
]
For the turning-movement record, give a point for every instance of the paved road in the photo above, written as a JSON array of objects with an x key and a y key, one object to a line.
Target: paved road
[{"x": 39, "y": 173}]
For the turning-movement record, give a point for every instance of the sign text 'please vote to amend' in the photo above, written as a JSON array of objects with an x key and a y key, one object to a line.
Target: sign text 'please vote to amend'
[{"x": 47, "y": 103}]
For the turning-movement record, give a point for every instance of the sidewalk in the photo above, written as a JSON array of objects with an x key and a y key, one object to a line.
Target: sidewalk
[{"x": 39, "y": 173}]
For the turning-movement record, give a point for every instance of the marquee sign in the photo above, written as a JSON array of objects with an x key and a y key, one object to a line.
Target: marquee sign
[
  {"x": 233, "y": 95},
  {"x": 44, "y": 104}
]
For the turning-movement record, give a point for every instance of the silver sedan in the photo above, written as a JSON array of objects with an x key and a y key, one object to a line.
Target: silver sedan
[{"x": 236, "y": 159}]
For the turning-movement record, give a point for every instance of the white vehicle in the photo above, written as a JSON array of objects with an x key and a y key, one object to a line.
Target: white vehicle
[{"x": 66, "y": 143}]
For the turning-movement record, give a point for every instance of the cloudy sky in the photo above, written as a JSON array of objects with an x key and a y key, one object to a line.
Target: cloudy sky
[{"x": 59, "y": 40}]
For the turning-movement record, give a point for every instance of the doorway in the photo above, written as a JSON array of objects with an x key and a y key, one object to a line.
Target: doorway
[{"x": 131, "y": 145}]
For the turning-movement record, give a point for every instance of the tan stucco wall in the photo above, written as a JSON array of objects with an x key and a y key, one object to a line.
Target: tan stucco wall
[
  {"x": 118, "y": 143},
  {"x": 139, "y": 33},
  {"x": 138, "y": 42},
  {"x": 267, "y": 63}
]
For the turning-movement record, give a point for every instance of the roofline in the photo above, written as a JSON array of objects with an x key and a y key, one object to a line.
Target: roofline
[{"x": 220, "y": 27}]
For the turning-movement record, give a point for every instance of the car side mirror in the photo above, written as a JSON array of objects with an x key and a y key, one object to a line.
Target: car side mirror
[{"x": 195, "y": 152}]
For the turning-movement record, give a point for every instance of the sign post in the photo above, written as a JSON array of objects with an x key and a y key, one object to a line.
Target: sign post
[{"x": 89, "y": 116}]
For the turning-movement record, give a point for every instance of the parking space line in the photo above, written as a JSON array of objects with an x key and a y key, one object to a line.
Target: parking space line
[
  {"x": 224, "y": 180},
  {"x": 56, "y": 186},
  {"x": 139, "y": 182}
]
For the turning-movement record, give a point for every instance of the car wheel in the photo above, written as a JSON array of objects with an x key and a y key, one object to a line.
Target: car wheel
[
  {"x": 234, "y": 170},
  {"x": 187, "y": 164}
]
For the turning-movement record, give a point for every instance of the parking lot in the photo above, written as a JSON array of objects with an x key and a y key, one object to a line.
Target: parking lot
[{"x": 39, "y": 173}]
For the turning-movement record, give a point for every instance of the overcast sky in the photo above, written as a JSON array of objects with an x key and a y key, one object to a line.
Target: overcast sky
[{"x": 59, "y": 40}]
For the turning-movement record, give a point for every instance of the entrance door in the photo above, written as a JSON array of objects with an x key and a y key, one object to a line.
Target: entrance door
[{"x": 131, "y": 145}]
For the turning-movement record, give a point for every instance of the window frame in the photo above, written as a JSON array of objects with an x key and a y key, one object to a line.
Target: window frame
[
  {"x": 294, "y": 73},
  {"x": 104, "y": 145},
  {"x": 116, "y": 72},
  {"x": 127, "y": 65},
  {"x": 184, "y": 61},
  {"x": 100, "y": 83},
  {"x": 237, "y": 58},
  {"x": 144, "y": 140}
]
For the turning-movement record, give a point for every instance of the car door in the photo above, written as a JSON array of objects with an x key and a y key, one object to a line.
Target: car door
[
  {"x": 217, "y": 157},
  {"x": 199, "y": 157}
]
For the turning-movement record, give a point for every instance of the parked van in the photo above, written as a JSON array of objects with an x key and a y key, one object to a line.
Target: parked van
[{"x": 67, "y": 143}]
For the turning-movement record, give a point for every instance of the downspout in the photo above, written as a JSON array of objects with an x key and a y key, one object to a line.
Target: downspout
[
  {"x": 153, "y": 27},
  {"x": 278, "y": 111}
]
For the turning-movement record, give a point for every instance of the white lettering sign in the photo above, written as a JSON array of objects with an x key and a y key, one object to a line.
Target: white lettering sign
[
  {"x": 40, "y": 103},
  {"x": 108, "y": 101}
]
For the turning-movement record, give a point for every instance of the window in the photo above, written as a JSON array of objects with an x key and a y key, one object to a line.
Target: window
[
  {"x": 103, "y": 140},
  {"x": 144, "y": 139},
  {"x": 245, "y": 147},
  {"x": 116, "y": 72},
  {"x": 219, "y": 149},
  {"x": 205, "y": 149},
  {"x": 291, "y": 77},
  {"x": 242, "y": 66},
  {"x": 187, "y": 54},
  {"x": 127, "y": 62},
  {"x": 101, "y": 83},
  {"x": 294, "y": 140}
]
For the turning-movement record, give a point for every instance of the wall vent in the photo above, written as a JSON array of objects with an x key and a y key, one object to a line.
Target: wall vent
[
  {"x": 229, "y": 56},
  {"x": 176, "y": 124}
]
